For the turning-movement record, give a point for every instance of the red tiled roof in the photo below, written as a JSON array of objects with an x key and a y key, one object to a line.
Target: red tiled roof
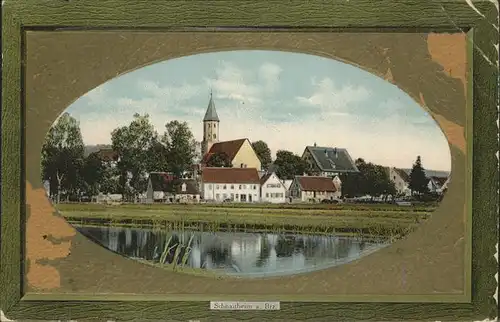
[
  {"x": 316, "y": 183},
  {"x": 230, "y": 175},
  {"x": 228, "y": 147}
]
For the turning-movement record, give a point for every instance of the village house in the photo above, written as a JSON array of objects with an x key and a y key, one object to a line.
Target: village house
[
  {"x": 272, "y": 189},
  {"x": 438, "y": 184},
  {"x": 240, "y": 152},
  {"x": 328, "y": 162},
  {"x": 287, "y": 184},
  {"x": 161, "y": 189},
  {"x": 438, "y": 180},
  {"x": 230, "y": 184},
  {"x": 401, "y": 180},
  {"x": 313, "y": 189}
]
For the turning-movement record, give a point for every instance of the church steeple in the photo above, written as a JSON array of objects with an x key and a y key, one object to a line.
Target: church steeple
[
  {"x": 210, "y": 127},
  {"x": 211, "y": 113}
]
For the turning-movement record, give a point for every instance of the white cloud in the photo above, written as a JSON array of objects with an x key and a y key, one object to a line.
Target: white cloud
[
  {"x": 270, "y": 74},
  {"x": 239, "y": 93},
  {"x": 331, "y": 99}
]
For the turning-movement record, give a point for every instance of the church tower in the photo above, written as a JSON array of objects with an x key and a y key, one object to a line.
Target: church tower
[{"x": 210, "y": 127}]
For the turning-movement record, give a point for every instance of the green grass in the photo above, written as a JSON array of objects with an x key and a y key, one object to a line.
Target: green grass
[{"x": 384, "y": 220}]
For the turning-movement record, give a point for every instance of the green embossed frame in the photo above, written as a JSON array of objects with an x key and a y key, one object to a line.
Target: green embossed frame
[{"x": 19, "y": 18}]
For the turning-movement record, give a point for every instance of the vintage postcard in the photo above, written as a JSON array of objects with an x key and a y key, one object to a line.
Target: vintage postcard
[{"x": 224, "y": 173}]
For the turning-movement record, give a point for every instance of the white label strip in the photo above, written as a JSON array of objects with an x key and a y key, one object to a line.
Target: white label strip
[{"x": 244, "y": 306}]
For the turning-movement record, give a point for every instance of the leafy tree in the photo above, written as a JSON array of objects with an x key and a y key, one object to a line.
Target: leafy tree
[
  {"x": 263, "y": 152},
  {"x": 371, "y": 180},
  {"x": 418, "y": 179},
  {"x": 134, "y": 146},
  {"x": 181, "y": 147},
  {"x": 289, "y": 165},
  {"x": 93, "y": 171},
  {"x": 219, "y": 159},
  {"x": 181, "y": 151},
  {"x": 62, "y": 157}
]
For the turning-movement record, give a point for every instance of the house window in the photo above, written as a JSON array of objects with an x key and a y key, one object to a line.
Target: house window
[
  {"x": 239, "y": 187},
  {"x": 267, "y": 195},
  {"x": 244, "y": 186},
  {"x": 214, "y": 136},
  {"x": 394, "y": 177},
  {"x": 254, "y": 187},
  {"x": 236, "y": 196},
  {"x": 183, "y": 187},
  {"x": 224, "y": 187},
  {"x": 241, "y": 165},
  {"x": 232, "y": 187},
  {"x": 217, "y": 196},
  {"x": 208, "y": 125},
  {"x": 209, "y": 187},
  {"x": 232, "y": 196},
  {"x": 217, "y": 187},
  {"x": 225, "y": 196}
]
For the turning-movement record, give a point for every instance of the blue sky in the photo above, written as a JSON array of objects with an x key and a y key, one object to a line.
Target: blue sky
[{"x": 289, "y": 100}]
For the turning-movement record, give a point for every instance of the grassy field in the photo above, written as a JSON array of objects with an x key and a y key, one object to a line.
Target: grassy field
[{"x": 320, "y": 218}]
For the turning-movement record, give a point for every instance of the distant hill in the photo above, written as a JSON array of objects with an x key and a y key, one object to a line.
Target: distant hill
[
  {"x": 94, "y": 148},
  {"x": 431, "y": 173}
]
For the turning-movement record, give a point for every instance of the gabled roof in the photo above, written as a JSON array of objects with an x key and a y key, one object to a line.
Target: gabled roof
[
  {"x": 332, "y": 159},
  {"x": 312, "y": 183},
  {"x": 265, "y": 177},
  {"x": 230, "y": 175},
  {"x": 211, "y": 113},
  {"x": 228, "y": 147},
  {"x": 191, "y": 187},
  {"x": 402, "y": 174},
  {"x": 161, "y": 181},
  {"x": 439, "y": 181}
]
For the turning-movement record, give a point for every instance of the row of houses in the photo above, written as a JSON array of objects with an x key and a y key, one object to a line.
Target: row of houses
[
  {"x": 241, "y": 185},
  {"x": 438, "y": 180},
  {"x": 250, "y": 185}
]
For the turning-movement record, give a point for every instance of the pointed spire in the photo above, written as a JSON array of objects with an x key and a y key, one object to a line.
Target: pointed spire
[{"x": 211, "y": 114}]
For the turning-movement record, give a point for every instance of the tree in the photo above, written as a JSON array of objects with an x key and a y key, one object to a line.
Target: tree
[
  {"x": 263, "y": 152},
  {"x": 418, "y": 179},
  {"x": 371, "y": 180},
  {"x": 62, "y": 157},
  {"x": 93, "y": 171},
  {"x": 134, "y": 146},
  {"x": 181, "y": 147},
  {"x": 289, "y": 165},
  {"x": 219, "y": 160}
]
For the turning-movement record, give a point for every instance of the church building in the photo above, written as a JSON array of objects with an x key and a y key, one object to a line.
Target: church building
[{"x": 240, "y": 152}]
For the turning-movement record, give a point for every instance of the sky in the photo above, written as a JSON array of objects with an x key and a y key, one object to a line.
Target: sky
[{"x": 288, "y": 100}]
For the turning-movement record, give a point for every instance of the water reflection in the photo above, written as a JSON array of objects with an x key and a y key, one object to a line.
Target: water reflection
[{"x": 242, "y": 253}]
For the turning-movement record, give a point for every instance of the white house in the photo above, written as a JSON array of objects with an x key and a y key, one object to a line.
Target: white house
[
  {"x": 231, "y": 184},
  {"x": 272, "y": 189},
  {"x": 401, "y": 180},
  {"x": 438, "y": 184},
  {"x": 314, "y": 188},
  {"x": 287, "y": 184}
]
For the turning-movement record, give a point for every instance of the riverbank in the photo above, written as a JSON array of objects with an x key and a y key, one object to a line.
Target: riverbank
[{"x": 380, "y": 220}]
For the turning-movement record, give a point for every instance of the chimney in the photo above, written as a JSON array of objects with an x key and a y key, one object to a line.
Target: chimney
[
  {"x": 326, "y": 153},
  {"x": 335, "y": 152},
  {"x": 314, "y": 144}
]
